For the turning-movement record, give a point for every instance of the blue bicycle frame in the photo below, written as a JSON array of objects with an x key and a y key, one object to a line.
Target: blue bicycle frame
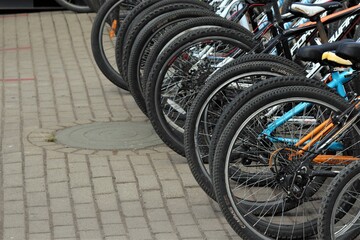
[{"x": 338, "y": 81}]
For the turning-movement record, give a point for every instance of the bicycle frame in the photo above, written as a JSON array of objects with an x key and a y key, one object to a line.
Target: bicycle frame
[
  {"x": 338, "y": 81},
  {"x": 309, "y": 30}
]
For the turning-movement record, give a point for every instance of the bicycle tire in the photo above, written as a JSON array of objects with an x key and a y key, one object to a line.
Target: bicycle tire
[
  {"x": 74, "y": 7},
  {"x": 243, "y": 67},
  {"x": 239, "y": 219},
  {"x": 128, "y": 21},
  {"x": 174, "y": 139},
  {"x": 333, "y": 194},
  {"x": 144, "y": 42},
  {"x": 176, "y": 31},
  {"x": 141, "y": 20},
  {"x": 97, "y": 47}
]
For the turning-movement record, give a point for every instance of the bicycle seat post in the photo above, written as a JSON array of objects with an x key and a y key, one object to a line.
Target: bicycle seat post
[
  {"x": 321, "y": 29},
  {"x": 280, "y": 27}
]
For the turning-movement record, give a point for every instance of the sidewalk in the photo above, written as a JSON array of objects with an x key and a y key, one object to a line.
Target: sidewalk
[{"x": 49, "y": 82}]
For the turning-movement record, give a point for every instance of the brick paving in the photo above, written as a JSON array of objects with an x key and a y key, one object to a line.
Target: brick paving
[{"x": 48, "y": 81}]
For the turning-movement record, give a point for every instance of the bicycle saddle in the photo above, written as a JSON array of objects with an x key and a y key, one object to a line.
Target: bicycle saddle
[
  {"x": 314, "y": 53},
  {"x": 350, "y": 51},
  {"x": 309, "y": 10}
]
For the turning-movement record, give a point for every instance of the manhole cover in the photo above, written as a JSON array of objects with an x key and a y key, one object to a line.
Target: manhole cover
[{"x": 109, "y": 136}]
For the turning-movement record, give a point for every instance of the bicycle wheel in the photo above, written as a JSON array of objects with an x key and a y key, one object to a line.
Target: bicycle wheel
[
  {"x": 145, "y": 41},
  {"x": 340, "y": 208},
  {"x": 74, "y": 5},
  {"x": 178, "y": 30},
  {"x": 143, "y": 19},
  {"x": 142, "y": 8},
  {"x": 208, "y": 106},
  {"x": 103, "y": 38},
  {"x": 180, "y": 72},
  {"x": 251, "y": 173}
]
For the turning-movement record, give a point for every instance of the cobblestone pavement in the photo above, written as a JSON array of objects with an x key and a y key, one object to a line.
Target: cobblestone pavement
[{"x": 49, "y": 81}]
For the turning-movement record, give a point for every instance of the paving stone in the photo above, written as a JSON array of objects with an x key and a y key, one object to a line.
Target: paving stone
[
  {"x": 13, "y": 207},
  {"x": 58, "y": 190},
  {"x": 114, "y": 229},
  {"x": 12, "y": 168},
  {"x": 136, "y": 222},
  {"x": 103, "y": 185},
  {"x": 39, "y": 236},
  {"x": 161, "y": 227},
  {"x": 203, "y": 211},
  {"x": 177, "y": 205},
  {"x": 124, "y": 176},
  {"x": 100, "y": 171},
  {"x": 215, "y": 235},
  {"x": 139, "y": 160},
  {"x": 13, "y": 180},
  {"x": 127, "y": 191},
  {"x": 110, "y": 217},
  {"x": 188, "y": 180},
  {"x": 120, "y": 165},
  {"x": 14, "y": 233},
  {"x": 106, "y": 202},
  {"x": 82, "y": 195},
  {"x": 166, "y": 174},
  {"x": 145, "y": 169},
  {"x": 140, "y": 234},
  {"x": 79, "y": 180},
  {"x": 85, "y": 224},
  {"x": 55, "y": 163},
  {"x": 148, "y": 182},
  {"x": 85, "y": 210},
  {"x": 183, "y": 219},
  {"x": 60, "y": 205},
  {"x": 36, "y": 199},
  {"x": 15, "y": 193},
  {"x": 56, "y": 175},
  {"x": 89, "y": 235},
  {"x": 78, "y": 167},
  {"x": 12, "y": 157},
  {"x": 132, "y": 209},
  {"x": 34, "y": 171},
  {"x": 116, "y": 238},
  {"x": 38, "y": 213},
  {"x": 210, "y": 224},
  {"x": 172, "y": 189},
  {"x": 166, "y": 236},
  {"x": 196, "y": 196},
  {"x": 14, "y": 220},
  {"x": 39, "y": 226},
  {"x": 152, "y": 199},
  {"x": 189, "y": 231},
  {"x": 62, "y": 219},
  {"x": 64, "y": 231},
  {"x": 157, "y": 215},
  {"x": 35, "y": 185}
]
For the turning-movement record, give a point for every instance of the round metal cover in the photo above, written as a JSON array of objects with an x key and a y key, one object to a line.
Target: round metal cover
[{"x": 109, "y": 136}]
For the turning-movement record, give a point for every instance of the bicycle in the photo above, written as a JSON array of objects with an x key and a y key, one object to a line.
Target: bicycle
[
  {"x": 168, "y": 119},
  {"x": 286, "y": 144},
  {"x": 207, "y": 115}
]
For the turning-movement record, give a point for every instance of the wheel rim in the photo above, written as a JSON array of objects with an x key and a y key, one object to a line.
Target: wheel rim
[{"x": 170, "y": 104}]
